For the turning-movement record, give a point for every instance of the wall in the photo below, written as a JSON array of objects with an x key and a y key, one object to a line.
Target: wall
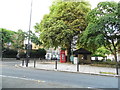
[{"x": 81, "y": 60}]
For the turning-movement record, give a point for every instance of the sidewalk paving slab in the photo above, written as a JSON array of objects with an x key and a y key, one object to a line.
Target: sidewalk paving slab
[{"x": 67, "y": 67}]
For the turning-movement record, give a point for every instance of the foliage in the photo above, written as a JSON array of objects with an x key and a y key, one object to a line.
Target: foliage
[
  {"x": 9, "y": 53},
  {"x": 102, "y": 51},
  {"x": 105, "y": 64},
  {"x": 98, "y": 55},
  {"x": 40, "y": 53},
  {"x": 34, "y": 38},
  {"x": 63, "y": 48},
  {"x": 65, "y": 20},
  {"x": 103, "y": 28},
  {"x": 6, "y": 37},
  {"x": 18, "y": 40},
  {"x": 13, "y": 43}
]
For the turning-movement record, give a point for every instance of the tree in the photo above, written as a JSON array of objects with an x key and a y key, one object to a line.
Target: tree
[
  {"x": 18, "y": 40},
  {"x": 65, "y": 20},
  {"x": 102, "y": 51},
  {"x": 103, "y": 28},
  {"x": 34, "y": 39},
  {"x": 6, "y": 37}
]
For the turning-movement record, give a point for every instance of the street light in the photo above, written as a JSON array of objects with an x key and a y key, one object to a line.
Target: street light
[{"x": 29, "y": 45}]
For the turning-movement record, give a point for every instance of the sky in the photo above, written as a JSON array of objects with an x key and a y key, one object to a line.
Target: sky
[{"x": 15, "y": 14}]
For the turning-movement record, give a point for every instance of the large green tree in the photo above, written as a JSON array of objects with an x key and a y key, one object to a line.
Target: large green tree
[
  {"x": 65, "y": 20},
  {"x": 6, "y": 37},
  {"x": 103, "y": 28}
]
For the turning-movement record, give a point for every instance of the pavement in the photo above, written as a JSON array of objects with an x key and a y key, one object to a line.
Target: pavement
[{"x": 68, "y": 67}]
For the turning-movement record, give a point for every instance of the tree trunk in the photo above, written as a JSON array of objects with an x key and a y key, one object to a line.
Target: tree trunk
[
  {"x": 68, "y": 53},
  {"x": 115, "y": 56}
]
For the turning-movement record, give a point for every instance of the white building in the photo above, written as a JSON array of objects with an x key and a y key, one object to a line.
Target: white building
[{"x": 52, "y": 53}]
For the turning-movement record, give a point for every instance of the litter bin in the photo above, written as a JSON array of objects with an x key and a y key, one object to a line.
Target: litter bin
[{"x": 75, "y": 60}]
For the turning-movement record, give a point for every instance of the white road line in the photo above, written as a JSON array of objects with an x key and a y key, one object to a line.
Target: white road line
[
  {"x": 94, "y": 88},
  {"x": 22, "y": 78}
]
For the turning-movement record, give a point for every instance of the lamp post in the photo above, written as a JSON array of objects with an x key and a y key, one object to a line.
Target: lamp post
[
  {"x": 25, "y": 43},
  {"x": 28, "y": 48},
  {"x": 29, "y": 45}
]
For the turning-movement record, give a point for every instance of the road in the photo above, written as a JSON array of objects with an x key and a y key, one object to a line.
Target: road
[{"x": 19, "y": 77}]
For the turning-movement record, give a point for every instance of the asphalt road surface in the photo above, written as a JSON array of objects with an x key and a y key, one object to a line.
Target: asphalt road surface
[{"x": 19, "y": 77}]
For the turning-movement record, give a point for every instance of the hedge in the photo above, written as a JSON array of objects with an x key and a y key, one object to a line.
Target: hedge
[
  {"x": 10, "y": 53},
  {"x": 40, "y": 53}
]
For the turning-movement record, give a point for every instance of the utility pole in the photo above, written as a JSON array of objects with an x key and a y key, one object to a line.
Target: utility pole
[{"x": 28, "y": 45}]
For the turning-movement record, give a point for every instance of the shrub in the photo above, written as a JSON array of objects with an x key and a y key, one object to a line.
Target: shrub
[
  {"x": 22, "y": 55},
  {"x": 85, "y": 62},
  {"x": 108, "y": 60},
  {"x": 40, "y": 53},
  {"x": 9, "y": 53}
]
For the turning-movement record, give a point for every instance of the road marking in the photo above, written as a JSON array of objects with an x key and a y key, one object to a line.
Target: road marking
[
  {"x": 22, "y": 78},
  {"x": 94, "y": 88}
]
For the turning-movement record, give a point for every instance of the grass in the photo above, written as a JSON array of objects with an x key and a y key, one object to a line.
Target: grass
[
  {"x": 103, "y": 65},
  {"x": 107, "y": 73}
]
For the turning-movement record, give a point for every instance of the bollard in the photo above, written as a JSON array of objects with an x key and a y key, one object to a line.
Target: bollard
[
  {"x": 27, "y": 63},
  {"x": 34, "y": 63},
  {"x": 117, "y": 68},
  {"x": 55, "y": 64},
  {"x": 22, "y": 62},
  {"x": 77, "y": 66}
]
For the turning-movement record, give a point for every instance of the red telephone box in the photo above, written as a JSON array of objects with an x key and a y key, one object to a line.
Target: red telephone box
[{"x": 62, "y": 56}]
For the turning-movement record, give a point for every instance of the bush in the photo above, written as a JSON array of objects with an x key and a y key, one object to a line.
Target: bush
[
  {"x": 98, "y": 55},
  {"x": 22, "y": 55},
  {"x": 85, "y": 62},
  {"x": 40, "y": 53},
  {"x": 9, "y": 53},
  {"x": 108, "y": 60}
]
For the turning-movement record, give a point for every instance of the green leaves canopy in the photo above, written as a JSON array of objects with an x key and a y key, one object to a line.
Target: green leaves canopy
[
  {"x": 103, "y": 27},
  {"x": 18, "y": 39},
  {"x": 65, "y": 20},
  {"x": 6, "y": 36},
  {"x": 15, "y": 40}
]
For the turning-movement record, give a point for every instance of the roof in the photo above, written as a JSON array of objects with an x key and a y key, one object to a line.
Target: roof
[{"x": 81, "y": 51}]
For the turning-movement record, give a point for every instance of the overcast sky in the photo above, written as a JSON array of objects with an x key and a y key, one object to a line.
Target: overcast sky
[{"x": 15, "y": 14}]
